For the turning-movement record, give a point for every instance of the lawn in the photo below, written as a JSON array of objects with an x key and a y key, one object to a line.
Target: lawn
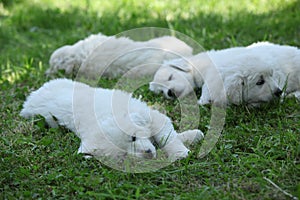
[{"x": 256, "y": 157}]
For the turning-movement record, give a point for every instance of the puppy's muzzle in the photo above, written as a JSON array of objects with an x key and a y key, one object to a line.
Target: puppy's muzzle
[{"x": 278, "y": 92}]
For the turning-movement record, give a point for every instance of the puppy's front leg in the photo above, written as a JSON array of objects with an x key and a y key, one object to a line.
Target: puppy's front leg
[
  {"x": 170, "y": 143},
  {"x": 205, "y": 96},
  {"x": 166, "y": 137},
  {"x": 175, "y": 149},
  {"x": 191, "y": 136}
]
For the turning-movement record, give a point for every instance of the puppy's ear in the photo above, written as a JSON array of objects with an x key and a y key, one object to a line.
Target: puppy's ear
[
  {"x": 183, "y": 68},
  {"x": 181, "y": 65},
  {"x": 153, "y": 87},
  {"x": 234, "y": 86}
]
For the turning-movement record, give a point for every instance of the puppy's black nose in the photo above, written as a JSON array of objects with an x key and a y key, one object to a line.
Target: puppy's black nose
[
  {"x": 171, "y": 94},
  {"x": 148, "y": 151},
  {"x": 148, "y": 154},
  {"x": 278, "y": 92}
]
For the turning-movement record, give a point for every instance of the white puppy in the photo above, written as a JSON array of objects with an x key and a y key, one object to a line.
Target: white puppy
[
  {"x": 283, "y": 61},
  {"x": 111, "y": 56},
  {"x": 110, "y": 123},
  {"x": 242, "y": 82},
  {"x": 179, "y": 77}
]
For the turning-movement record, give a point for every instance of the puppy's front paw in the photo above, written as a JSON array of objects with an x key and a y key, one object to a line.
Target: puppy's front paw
[
  {"x": 175, "y": 150},
  {"x": 178, "y": 155},
  {"x": 191, "y": 136}
]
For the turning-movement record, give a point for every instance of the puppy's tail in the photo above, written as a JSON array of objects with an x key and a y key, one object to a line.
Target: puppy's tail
[
  {"x": 28, "y": 109},
  {"x": 33, "y": 106}
]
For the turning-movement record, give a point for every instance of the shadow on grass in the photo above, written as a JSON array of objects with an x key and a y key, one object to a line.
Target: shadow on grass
[
  {"x": 35, "y": 31},
  {"x": 9, "y": 3},
  {"x": 211, "y": 30}
]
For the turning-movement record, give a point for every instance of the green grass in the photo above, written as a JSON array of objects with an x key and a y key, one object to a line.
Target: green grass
[{"x": 37, "y": 162}]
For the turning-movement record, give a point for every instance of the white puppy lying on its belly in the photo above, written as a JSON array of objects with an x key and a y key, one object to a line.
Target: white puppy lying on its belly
[
  {"x": 179, "y": 77},
  {"x": 119, "y": 55},
  {"x": 110, "y": 123}
]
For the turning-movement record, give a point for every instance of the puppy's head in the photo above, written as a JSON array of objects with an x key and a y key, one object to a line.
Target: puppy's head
[
  {"x": 134, "y": 135},
  {"x": 251, "y": 86},
  {"x": 174, "y": 79},
  {"x": 63, "y": 59},
  {"x": 129, "y": 134},
  {"x": 137, "y": 146},
  {"x": 140, "y": 147}
]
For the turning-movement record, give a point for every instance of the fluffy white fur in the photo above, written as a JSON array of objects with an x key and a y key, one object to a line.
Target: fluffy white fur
[
  {"x": 100, "y": 55},
  {"x": 180, "y": 76},
  {"x": 284, "y": 61},
  {"x": 242, "y": 82},
  {"x": 278, "y": 65},
  {"x": 110, "y": 123}
]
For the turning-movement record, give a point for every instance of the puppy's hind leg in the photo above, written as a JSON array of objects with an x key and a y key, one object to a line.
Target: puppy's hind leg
[
  {"x": 51, "y": 121},
  {"x": 30, "y": 113},
  {"x": 84, "y": 151}
]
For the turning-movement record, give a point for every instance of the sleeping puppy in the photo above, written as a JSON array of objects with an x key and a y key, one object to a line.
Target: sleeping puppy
[
  {"x": 273, "y": 69},
  {"x": 242, "y": 82},
  {"x": 110, "y": 123},
  {"x": 174, "y": 79},
  {"x": 179, "y": 77},
  {"x": 284, "y": 61},
  {"x": 110, "y": 56}
]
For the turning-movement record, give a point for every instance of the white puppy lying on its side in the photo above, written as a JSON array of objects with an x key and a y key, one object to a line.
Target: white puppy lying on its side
[
  {"x": 110, "y": 123},
  {"x": 179, "y": 77},
  {"x": 243, "y": 82},
  {"x": 284, "y": 61},
  {"x": 111, "y": 56}
]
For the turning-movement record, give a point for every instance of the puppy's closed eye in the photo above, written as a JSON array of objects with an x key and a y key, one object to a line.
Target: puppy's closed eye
[
  {"x": 170, "y": 77},
  {"x": 133, "y": 138},
  {"x": 261, "y": 81}
]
